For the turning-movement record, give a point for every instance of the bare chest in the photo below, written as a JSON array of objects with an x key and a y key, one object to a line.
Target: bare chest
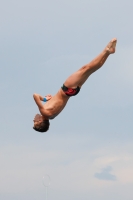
[{"x": 54, "y": 106}]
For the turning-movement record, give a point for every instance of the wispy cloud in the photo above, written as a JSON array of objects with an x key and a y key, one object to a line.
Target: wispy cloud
[{"x": 105, "y": 174}]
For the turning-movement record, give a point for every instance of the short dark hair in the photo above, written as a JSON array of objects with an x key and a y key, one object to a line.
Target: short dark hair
[{"x": 42, "y": 127}]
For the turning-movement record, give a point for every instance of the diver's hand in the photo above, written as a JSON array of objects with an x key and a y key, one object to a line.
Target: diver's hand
[{"x": 48, "y": 97}]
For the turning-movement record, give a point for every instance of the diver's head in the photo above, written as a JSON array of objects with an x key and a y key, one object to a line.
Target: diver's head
[{"x": 40, "y": 124}]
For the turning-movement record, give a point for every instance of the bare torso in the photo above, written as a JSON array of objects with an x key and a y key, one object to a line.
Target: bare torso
[{"x": 56, "y": 104}]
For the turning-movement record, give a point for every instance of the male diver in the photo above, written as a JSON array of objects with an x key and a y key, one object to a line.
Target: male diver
[{"x": 71, "y": 87}]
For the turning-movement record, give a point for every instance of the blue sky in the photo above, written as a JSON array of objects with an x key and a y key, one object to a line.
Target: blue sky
[{"x": 88, "y": 151}]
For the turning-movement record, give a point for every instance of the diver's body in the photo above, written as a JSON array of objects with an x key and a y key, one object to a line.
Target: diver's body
[{"x": 71, "y": 87}]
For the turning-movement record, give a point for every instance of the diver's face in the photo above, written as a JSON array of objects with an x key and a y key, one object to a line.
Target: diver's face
[{"x": 37, "y": 120}]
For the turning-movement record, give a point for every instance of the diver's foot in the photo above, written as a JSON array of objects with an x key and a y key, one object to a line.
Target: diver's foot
[{"x": 110, "y": 48}]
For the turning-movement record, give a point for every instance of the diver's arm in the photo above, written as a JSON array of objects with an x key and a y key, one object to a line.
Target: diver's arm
[
  {"x": 38, "y": 100},
  {"x": 47, "y": 97}
]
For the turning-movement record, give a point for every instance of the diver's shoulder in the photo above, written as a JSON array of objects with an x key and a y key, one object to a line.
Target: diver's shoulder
[{"x": 45, "y": 112}]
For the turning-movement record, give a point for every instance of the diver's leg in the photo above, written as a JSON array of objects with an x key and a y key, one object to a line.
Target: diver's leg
[{"x": 79, "y": 77}]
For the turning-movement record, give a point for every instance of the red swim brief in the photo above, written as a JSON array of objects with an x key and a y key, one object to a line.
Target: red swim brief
[{"x": 70, "y": 91}]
